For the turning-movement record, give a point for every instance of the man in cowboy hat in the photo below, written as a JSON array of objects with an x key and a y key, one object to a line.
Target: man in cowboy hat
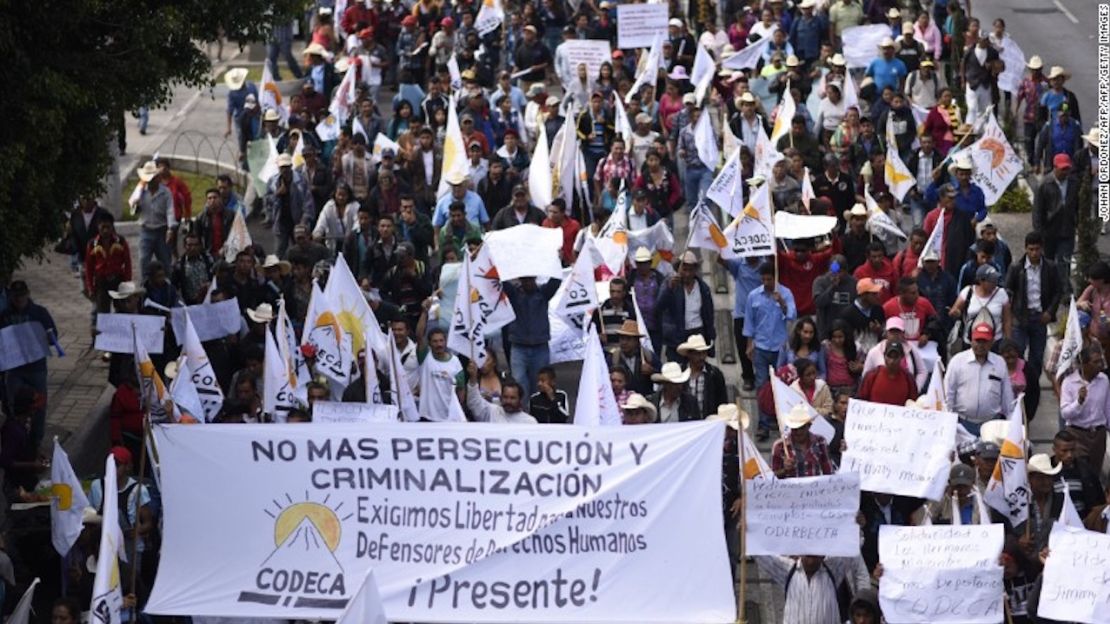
[
  {"x": 673, "y": 402},
  {"x": 707, "y": 382},
  {"x": 685, "y": 307},
  {"x": 460, "y": 192},
  {"x": 1033, "y": 86},
  {"x": 887, "y": 70},
  {"x": 238, "y": 88},
  {"x": 288, "y": 202},
  {"x": 1056, "y": 96},
  {"x": 636, "y": 410},
  {"x": 1055, "y": 213},
  {"x": 153, "y": 203},
  {"x": 1045, "y": 504},
  {"x": 800, "y": 452},
  {"x": 631, "y": 355}
]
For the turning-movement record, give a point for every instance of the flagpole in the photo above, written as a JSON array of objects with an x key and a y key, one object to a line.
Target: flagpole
[
  {"x": 396, "y": 375},
  {"x": 743, "y": 525}
]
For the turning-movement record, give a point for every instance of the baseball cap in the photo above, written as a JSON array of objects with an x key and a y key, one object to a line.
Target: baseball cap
[
  {"x": 986, "y": 272},
  {"x": 1061, "y": 161},
  {"x": 895, "y": 348},
  {"x": 121, "y": 454},
  {"x": 988, "y": 450},
  {"x": 982, "y": 331},
  {"x": 895, "y": 322},
  {"x": 961, "y": 474}
]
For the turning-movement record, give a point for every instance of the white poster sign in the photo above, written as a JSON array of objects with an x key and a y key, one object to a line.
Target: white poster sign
[
  {"x": 337, "y": 412},
  {"x": 114, "y": 333},
  {"x": 861, "y": 43},
  {"x": 941, "y": 574},
  {"x": 1076, "y": 577},
  {"x": 23, "y": 343},
  {"x": 899, "y": 450},
  {"x": 460, "y": 522},
  {"x": 792, "y": 226},
  {"x": 526, "y": 250},
  {"x": 592, "y": 52},
  {"x": 805, "y": 516},
  {"x": 212, "y": 320},
  {"x": 638, "y": 24}
]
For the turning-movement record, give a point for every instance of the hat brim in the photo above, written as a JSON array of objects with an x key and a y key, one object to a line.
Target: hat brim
[
  {"x": 284, "y": 266},
  {"x": 661, "y": 378},
  {"x": 621, "y": 332},
  {"x": 119, "y": 295},
  {"x": 685, "y": 348},
  {"x": 257, "y": 318},
  {"x": 235, "y": 79},
  {"x": 798, "y": 423}
]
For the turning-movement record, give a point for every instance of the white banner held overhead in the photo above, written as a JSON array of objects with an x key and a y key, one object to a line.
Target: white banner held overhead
[
  {"x": 23, "y": 343},
  {"x": 336, "y": 412},
  {"x": 459, "y": 523},
  {"x": 805, "y": 516},
  {"x": 114, "y": 332},
  {"x": 941, "y": 574},
  {"x": 1070, "y": 597},
  {"x": 592, "y": 52},
  {"x": 526, "y": 250},
  {"x": 899, "y": 450},
  {"x": 638, "y": 24},
  {"x": 861, "y": 43},
  {"x": 212, "y": 320}
]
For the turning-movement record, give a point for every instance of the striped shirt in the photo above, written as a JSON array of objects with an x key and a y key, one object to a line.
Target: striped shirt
[{"x": 812, "y": 599}]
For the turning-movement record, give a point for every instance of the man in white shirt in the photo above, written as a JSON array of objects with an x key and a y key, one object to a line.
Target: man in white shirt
[
  {"x": 812, "y": 583},
  {"x": 978, "y": 382},
  {"x": 511, "y": 409},
  {"x": 439, "y": 380}
]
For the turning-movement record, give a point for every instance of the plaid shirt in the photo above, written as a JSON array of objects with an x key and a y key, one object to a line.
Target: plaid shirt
[
  {"x": 814, "y": 462},
  {"x": 609, "y": 168},
  {"x": 1030, "y": 93}
]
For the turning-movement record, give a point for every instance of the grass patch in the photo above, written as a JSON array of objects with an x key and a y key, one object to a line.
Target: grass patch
[{"x": 197, "y": 184}]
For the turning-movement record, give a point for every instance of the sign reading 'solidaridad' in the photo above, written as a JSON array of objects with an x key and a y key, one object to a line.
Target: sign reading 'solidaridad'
[{"x": 460, "y": 522}]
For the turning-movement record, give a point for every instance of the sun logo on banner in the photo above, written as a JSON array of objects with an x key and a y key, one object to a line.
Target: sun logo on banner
[
  {"x": 302, "y": 571},
  {"x": 998, "y": 155}
]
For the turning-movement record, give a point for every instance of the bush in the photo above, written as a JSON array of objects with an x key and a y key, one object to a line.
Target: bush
[{"x": 1013, "y": 200}]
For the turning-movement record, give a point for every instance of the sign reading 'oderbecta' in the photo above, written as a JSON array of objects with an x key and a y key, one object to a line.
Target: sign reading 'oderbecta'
[{"x": 460, "y": 522}]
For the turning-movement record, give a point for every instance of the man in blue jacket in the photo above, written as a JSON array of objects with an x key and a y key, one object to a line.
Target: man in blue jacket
[
  {"x": 530, "y": 333},
  {"x": 685, "y": 308}
]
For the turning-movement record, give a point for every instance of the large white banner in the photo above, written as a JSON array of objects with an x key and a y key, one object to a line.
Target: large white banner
[
  {"x": 592, "y": 52},
  {"x": 23, "y": 343},
  {"x": 212, "y": 320},
  {"x": 861, "y": 43},
  {"x": 899, "y": 450},
  {"x": 941, "y": 574},
  {"x": 526, "y": 251},
  {"x": 638, "y": 24},
  {"x": 460, "y": 522},
  {"x": 337, "y": 412},
  {"x": 1076, "y": 586},
  {"x": 805, "y": 516},
  {"x": 115, "y": 333}
]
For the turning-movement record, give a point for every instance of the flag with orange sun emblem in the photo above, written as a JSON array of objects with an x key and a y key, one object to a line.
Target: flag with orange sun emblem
[
  {"x": 752, "y": 232},
  {"x": 484, "y": 310},
  {"x": 1008, "y": 490},
  {"x": 996, "y": 163}
]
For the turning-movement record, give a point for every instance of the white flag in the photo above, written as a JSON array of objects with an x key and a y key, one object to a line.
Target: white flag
[
  {"x": 934, "y": 392},
  {"x": 151, "y": 389},
  {"x": 701, "y": 76},
  {"x": 334, "y": 348},
  {"x": 934, "y": 243},
  {"x": 67, "y": 502},
  {"x": 897, "y": 175},
  {"x": 370, "y": 378},
  {"x": 752, "y": 232},
  {"x": 22, "y": 612},
  {"x": 596, "y": 404},
  {"x": 291, "y": 351},
  {"x": 579, "y": 297},
  {"x": 620, "y": 120},
  {"x": 648, "y": 70},
  {"x": 765, "y": 155},
  {"x": 563, "y": 158},
  {"x": 382, "y": 142},
  {"x": 641, "y": 326},
  {"x": 994, "y": 160},
  {"x": 455, "y": 163},
  {"x": 485, "y": 309},
  {"x": 238, "y": 239},
  {"x": 354, "y": 313},
  {"x": 705, "y": 233},
  {"x": 366, "y": 605},
  {"x": 402, "y": 391},
  {"x": 723, "y": 190},
  {"x": 453, "y": 72},
  {"x": 753, "y": 466},
  {"x": 1069, "y": 515},
  {"x": 1072, "y": 343},
  {"x": 203, "y": 375},
  {"x": 186, "y": 400},
  {"x": 747, "y": 58},
  {"x": 785, "y": 116},
  {"x": 807, "y": 189},
  {"x": 851, "y": 94},
  {"x": 277, "y": 386},
  {"x": 270, "y": 169},
  {"x": 706, "y": 142},
  {"x": 107, "y": 597},
  {"x": 269, "y": 96},
  {"x": 490, "y": 16},
  {"x": 881, "y": 225},
  {"x": 785, "y": 400},
  {"x": 1008, "y": 489},
  {"x": 540, "y": 183}
]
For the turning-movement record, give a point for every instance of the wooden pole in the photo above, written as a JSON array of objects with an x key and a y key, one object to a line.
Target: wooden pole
[{"x": 742, "y": 526}]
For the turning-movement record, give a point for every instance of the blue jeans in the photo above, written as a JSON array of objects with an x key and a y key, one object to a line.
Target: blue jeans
[
  {"x": 1034, "y": 334},
  {"x": 762, "y": 360},
  {"x": 281, "y": 44},
  {"x": 152, "y": 242},
  {"x": 696, "y": 183},
  {"x": 525, "y": 363},
  {"x": 918, "y": 209},
  {"x": 144, "y": 119}
]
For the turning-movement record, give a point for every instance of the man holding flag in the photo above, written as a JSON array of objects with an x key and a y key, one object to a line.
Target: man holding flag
[{"x": 1084, "y": 406}]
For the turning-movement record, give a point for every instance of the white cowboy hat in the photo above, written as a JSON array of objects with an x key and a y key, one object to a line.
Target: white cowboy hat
[
  {"x": 887, "y": 42},
  {"x": 798, "y": 417},
  {"x": 807, "y": 4},
  {"x": 994, "y": 431},
  {"x": 264, "y": 313},
  {"x": 637, "y": 401},
  {"x": 893, "y": 13},
  {"x": 963, "y": 161},
  {"x": 342, "y": 65},
  {"x": 677, "y": 23},
  {"x": 284, "y": 160},
  {"x": 1093, "y": 137},
  {"x": 731, "y": 415},
  {"x": 272, "y": 261},
  {"x": 672, "y": 373},
  {"x": 689, "y": 257},
  {"x": 792, "y": 61},
  {"x": 316, "y": 49},
  {"x": 642, "y": 255},
  {"x": 457, "y": 178},
  {"x": 125, "y": 290},
  {"x": 1042, "y": 464},
  {"x": 695, "y": 342},
  {"x": 1057, "y": 72},
  {"x": 858, "y": 210},
  {"x": 148, "y": 171},
  {"x": 1035, "y": 62},
  {"x": 235, "y": 77},
  {"x": 837, "y": 59},
  {"x": 271, "y": 115}
]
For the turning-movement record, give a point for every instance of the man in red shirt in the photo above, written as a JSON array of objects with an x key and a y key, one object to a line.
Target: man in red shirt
[
  {"x": 557, "y": 218},
  {"x": 879, "y": 269},
  {"x": 916, "y": 311},
  {"x": 799, "y": 268},
  {"x": 905, "y": 262},
  {"x": 890, "y": 383},
  {"x": 182, "y": 197}
]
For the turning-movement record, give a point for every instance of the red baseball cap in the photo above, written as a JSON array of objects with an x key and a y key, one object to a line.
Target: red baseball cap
[
  {"x": 121, "y": 455},
  {"x": 982, "y": 331},
  {"x": 410, "y": 20},
  {"x": 1061, "y": 161}
]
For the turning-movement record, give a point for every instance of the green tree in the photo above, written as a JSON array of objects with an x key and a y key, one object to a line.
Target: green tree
[
  {"x": 1087, "y": 228},
  {"x": 71, "y": 71}
]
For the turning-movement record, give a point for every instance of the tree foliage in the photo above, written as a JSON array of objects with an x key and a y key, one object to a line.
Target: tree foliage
[{"x": 71, "y": 71}]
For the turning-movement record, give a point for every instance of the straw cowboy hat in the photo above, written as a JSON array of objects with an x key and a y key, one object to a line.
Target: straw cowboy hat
[
  {"x": 695, "y": 342},
  {"x": 148, "y": 171},
  {"x": 271, "y": 115},
  {"x": 1042, "y": 463},
  {"x": 859, "y": 210},
  {"x": 284, "y": 160},
  {"x": 637, "y": 401},
  {"x": 837, "y": 59},
  {"x": 642, "y": 253},
  {"x": 1093, "y": 137},
  {"x": 1058, "y": 72},
  {"x": 731, "y": 415},
  {"x": 798, "y": 417},
  {"x": 235, "y": 78},
  {"x": 672, "y": 373},
  {"x": 994, "y": 431},
  {"x": 1035, "y": 62},
  {"x": 629, "y": 328},
  {"x": 272, "y": 261},
  {"x": 125, "y": 290},
  {"x": 264, "y": 313},
  {"x": 315, "y": 49}
]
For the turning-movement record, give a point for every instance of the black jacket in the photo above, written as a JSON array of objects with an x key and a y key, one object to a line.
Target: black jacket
[
  {"x": 202, "y": 227},
  {"x": 1051, "y": 217},
  {"x": 1017, "y": 285},
  {"x": 687, "y": 407},
  {"x": 670, "y": 309},
  {"x": 975, "y": 73},
  {"x": 505, "y": 218},
  {"x": 716, "y": 392},
  {"x": 79, "y": 235}
]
